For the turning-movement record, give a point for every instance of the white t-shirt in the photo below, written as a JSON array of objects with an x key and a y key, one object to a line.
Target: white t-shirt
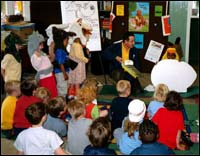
[{"x": 37, "y": 141}]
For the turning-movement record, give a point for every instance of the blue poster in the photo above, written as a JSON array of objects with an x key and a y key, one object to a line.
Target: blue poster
[{"x": 139, "y": 41}]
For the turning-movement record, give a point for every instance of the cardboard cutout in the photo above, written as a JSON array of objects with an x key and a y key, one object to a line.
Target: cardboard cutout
[{"x": 178, "y": 76}]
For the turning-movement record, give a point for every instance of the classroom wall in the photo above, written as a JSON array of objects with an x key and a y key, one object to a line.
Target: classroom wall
[{"x": 178, "y": 11}]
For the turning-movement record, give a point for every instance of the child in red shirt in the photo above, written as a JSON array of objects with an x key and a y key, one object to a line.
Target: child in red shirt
[{"x": 170, "y": 121}]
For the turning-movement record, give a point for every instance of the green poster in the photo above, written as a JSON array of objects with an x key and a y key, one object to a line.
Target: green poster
[{"x": 158, "y": 10}]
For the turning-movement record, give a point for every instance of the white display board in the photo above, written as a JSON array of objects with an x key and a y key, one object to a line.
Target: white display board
[
  {"x": 176, "y": 75},
  {"x": 154, "y": 51},
  {"x": 88, "y": 11}
]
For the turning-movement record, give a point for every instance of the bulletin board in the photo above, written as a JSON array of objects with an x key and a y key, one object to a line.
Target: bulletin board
[
  {"x": 88, "y": 11},
  {"x": 122, "y": 23}
]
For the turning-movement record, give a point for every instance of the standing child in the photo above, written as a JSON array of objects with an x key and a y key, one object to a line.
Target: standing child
[
  {"x": 127, "y": 138},
  {"x": 55, "y": 108},
  {"x": 61, "y": 71},
  {"x": 87, "y": 94},
  {"x": 119, "y": 105},
  {"x": 36, "y": 140},
  {"x": 159, "y": 96},
  {"x": 78, "y": 75},
  {"x": 12, "y": 88},
  {"x": 148, "y": 134},
  {"x": 99, "y": 133},
  {"x": 27, "y": 87},
  {"x": 78, "y": 126},
  {"x": 11, "y": 68},
  {"x": 41, "y": 63},
  {"x": 170, "y": 121}
]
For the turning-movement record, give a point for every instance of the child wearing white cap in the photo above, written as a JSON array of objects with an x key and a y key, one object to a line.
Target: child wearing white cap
[{"x": 127, "y": 136}]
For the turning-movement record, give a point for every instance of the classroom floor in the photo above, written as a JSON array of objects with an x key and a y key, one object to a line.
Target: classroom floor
[{"x": 7, "y": 145}]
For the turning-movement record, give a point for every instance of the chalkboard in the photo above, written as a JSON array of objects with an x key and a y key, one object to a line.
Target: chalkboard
[{"x": 88, "y": 11}]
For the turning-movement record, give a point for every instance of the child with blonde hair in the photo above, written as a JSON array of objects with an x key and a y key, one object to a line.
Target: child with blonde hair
[
  {"x": 12, "y": 88},
  {"x": 78, "y": 75},
  {"x": 91, "y": 82},
  {"x": 159, "y": 96},
  {"x": 43, "y": 93},
  {"x": 119, "y": 105},
  {"x": 87, "y": 94},
  {"x": 77, "y": 138},
  {"x": 127, "y": 136}
]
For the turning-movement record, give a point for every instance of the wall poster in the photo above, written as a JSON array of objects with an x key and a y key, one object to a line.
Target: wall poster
[
  {"x": 88, "y": 11},
  {"x": 138, "y": 16}
]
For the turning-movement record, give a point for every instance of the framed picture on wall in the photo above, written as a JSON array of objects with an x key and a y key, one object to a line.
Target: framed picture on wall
[{"x": 138, "y": 16}]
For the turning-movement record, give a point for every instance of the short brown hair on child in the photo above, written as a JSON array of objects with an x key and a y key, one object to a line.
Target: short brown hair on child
[
  {"x": 99, "y": 132},
  {"x": 28, "y": 86},
  {"x": 76, "y": 108},
  {"x": 160, "y": 92},
  {"x": 11, "y": 86},
  {"x": 173, "y": 101},
  {"x": 42, "y": 93},
  {"x": 56, "y": 105},
  {"x": 35, "y": 112},
  {"x": 122, "y": 86}
]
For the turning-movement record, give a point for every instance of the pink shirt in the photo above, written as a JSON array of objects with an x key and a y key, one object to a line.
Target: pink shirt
[{"x": 41, "y": 63}]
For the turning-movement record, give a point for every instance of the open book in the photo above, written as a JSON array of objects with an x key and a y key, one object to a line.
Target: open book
[{"x": 131, "y": 70}]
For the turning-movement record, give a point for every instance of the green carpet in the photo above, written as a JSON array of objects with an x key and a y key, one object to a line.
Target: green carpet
[{"x": 111, "y": 90}]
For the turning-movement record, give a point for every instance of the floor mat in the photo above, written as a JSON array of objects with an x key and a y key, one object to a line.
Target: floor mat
[{"x": 111, "y": 90}]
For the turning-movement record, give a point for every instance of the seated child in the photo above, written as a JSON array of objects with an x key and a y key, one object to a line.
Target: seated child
[
  {"x": 92, "y": 82},
  {"x": 99, "y": 134},
  {"x": 148, "y": 134},
  {"x": 43, "y": 93},
  {"x": 170, "y": 121},
  {"x": 13, "y": 91},
  {"x": 119, "y": 105},
  {"x": 87, "y": 94},
  {"x": 77, "y": 138},
  {"x": 171, "y": 54},
  {"x": 127, "y": 136},
  {"x": 55, "y": 108},
  {"x": 36, "y": 140},
  {"x": 159, "y": 96},
  {"x": 28, "y": 86}
]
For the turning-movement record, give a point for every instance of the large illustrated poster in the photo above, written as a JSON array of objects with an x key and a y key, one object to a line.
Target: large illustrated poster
[
  {"x": 138, "y": 16},
  {"x": 88, "y": 11}
]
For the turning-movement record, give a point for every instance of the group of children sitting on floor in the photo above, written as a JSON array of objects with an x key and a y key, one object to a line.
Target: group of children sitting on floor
[{"x": 38, "y": 122}]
